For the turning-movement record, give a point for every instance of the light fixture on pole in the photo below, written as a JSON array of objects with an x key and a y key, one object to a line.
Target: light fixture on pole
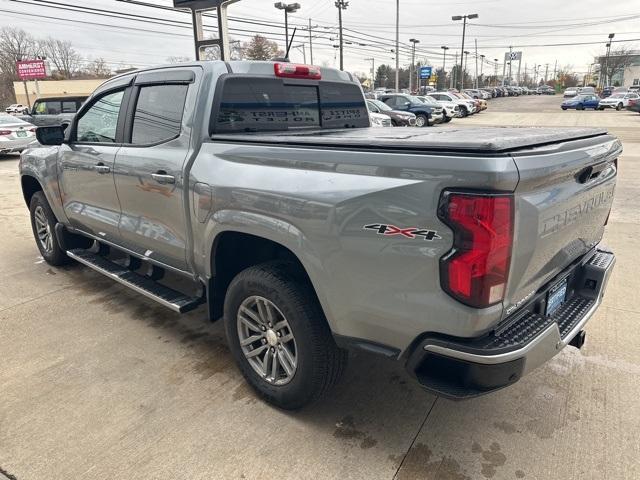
[
  {"x": 288, "y": 8},
  {"x": 413, "y": 63},
  {"x": 464, "y": 19}
]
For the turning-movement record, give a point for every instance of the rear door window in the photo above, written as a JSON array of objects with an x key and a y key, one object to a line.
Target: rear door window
[
  {"x": 268, "y": 104},
  {"x": 69, "y": 107},
  {"x": 158, "y": 114}
]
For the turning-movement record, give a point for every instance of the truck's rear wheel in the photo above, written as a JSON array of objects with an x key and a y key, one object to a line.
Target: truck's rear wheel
[
  {"x": 43, "y": 223},
  {"x": 279, "y": 337},
  {"x": 422, "y": 120}
]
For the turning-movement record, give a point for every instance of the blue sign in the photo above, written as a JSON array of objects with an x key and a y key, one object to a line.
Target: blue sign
[{"x": 425, "y": 72}]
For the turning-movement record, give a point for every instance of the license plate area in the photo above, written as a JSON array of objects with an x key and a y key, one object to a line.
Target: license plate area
[
  {"x": 556, "y": 296},
  {"x": 21, "y": 133}
]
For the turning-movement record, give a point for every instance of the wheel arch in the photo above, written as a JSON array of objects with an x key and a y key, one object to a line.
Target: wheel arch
[
  {"x": 30, "y": 185},
  {"x": 234, "y": 250}
]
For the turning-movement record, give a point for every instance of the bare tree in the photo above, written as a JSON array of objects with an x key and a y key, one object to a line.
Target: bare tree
[
  {"x": 98, "y": 68},
  {"x": 64, "y": 57},
  {"x": 15, "y": 44},
  {"x": 259, "y": 48},
  {"x": 617, "y": 61}
]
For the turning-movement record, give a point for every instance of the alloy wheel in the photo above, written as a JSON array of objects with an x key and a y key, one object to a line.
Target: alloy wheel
[
  {"x": 43, "y": 229},
  {"x": 266, "y": 340}
]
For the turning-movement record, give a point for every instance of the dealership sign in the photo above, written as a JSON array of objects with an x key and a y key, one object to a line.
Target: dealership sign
[
  {"x": 425, "y": 72},
  {"x": 31, "y": 69}
]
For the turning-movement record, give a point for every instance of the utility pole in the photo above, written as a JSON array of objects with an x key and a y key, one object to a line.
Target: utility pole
[
  {"x": 341, "y": 5},
  {"x": 464, "y": 19},
  {"x": 476, "y": 41},
  {"x": 519, "y": 65},
  {"x": 555, "y": 69},
  {"x": 453, "y": 71},
  {"x": 481, "y": 65},
  {"x": 397, "y": 46},
  {"x": 546, "y": 72},
  {"x": 495, "y": 67},
  {"x": 510, "y": 61},
  {"x": 373, "y": 72},
  {"x": 413, "y": 62},
  {"x": 310, "y": 43}
]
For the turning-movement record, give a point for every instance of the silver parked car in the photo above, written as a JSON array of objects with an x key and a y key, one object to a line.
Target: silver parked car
[{"x": 15, "y": 134}]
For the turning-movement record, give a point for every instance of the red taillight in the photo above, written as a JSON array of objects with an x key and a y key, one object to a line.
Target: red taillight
[
  {"x": 33, "y": 129},
  {"x": 5, "y": 133},
  {"x": 293, "y": 70},
  {"x": 476, "y": 270}
]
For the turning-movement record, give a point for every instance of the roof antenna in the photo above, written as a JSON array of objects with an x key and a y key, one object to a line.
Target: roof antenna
[{"x": 286, "y": 55}]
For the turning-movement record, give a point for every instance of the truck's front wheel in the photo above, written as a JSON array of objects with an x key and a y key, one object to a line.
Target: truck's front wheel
[
  {"x": 43, "y": 223},
  {"x": 279, "y": 337}
]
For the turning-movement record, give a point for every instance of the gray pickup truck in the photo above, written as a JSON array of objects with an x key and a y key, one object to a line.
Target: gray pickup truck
[{"x": 259, "y": 190}]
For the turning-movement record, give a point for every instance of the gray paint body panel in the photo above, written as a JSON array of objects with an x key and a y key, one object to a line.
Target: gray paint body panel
[{"x": 314, "y": 192}]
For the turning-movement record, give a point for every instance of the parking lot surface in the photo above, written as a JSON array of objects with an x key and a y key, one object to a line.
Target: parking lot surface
[{"x": 96, "y": 382}]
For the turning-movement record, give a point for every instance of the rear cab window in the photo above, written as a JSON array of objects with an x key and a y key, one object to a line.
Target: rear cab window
[{"x": 256, "y": 104}]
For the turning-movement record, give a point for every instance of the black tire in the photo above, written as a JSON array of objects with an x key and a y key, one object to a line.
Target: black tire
[
  {"x": 40, "y": 210},
  {"x": 619, "y": 107},
  {"x": 447, "y": 119},
  {"x": 422, "y": 118},
  {"x": 319, "y": 361},
  {"x": 564, "y": 108},
  {"x": 465, "y": 111}
]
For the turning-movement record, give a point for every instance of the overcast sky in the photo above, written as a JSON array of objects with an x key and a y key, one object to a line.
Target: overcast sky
[{"x": 525, "y": 24}]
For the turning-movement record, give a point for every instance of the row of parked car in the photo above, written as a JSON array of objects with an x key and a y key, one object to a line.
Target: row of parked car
[
  {"x": 388, "y": 109},
  {"x": 509, "y": 91},
  {"x": 618, "y": 101}
]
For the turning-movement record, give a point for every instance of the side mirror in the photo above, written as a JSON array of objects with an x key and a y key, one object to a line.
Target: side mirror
[{"x": 50, "y": 135}]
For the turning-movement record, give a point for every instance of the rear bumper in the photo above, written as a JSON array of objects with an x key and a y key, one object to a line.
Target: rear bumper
[
  {"x": 464, "y": 368},
  {"x": 17, "y": 145}
]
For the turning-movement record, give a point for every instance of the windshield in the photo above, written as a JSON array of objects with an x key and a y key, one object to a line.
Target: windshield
[
  {"x": 429, "y": 101},
  {"x": 381, "y": 105},
  {"x": 8, "y": 119}
]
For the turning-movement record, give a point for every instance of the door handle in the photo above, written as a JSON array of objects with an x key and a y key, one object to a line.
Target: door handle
[
  {"x": 102, "y": 168},
  {"x": 162, "y": 177}
]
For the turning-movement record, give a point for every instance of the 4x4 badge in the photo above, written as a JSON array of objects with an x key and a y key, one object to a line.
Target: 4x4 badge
[{"x": 410, "y": 232}]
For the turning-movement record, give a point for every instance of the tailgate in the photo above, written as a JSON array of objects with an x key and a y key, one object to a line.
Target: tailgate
[{"x": 562, "y": 203}]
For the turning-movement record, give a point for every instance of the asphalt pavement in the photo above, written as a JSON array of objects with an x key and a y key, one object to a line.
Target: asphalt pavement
[{"x": 97, "y": 382}]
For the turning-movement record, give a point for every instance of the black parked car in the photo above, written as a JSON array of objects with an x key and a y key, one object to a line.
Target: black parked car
[
  {"x": 398, "y": 117},
  {"x": 425, "y": 115}
]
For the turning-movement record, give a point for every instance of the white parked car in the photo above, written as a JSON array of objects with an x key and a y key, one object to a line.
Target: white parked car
[
  {"x": 15, "y": 134},
  {"x": 379, "y": 120},
  {"x": 450, "y": 109},
  {"x": 618, "y": 100},
  {"x": 571, "y": 92},
  {"x": 467, "y": 107},
  {"x": 17, "y": 109}
]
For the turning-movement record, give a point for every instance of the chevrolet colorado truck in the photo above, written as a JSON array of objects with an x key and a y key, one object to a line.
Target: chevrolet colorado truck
[{"x": 259, "y": 190}]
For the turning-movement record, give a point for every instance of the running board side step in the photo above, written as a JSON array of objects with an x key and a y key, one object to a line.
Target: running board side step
[{"x": 176, "y": 301}]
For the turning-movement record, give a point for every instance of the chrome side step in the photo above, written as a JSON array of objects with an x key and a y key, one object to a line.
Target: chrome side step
[{"x": 176, "y": 301}]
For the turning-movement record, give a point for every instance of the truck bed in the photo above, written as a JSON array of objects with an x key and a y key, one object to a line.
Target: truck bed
[{"x": 484, "y": 140}]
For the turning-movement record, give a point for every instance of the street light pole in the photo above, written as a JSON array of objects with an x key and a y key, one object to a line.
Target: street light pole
[
  {"x": 397, "y": 46},
  {"x": 413, "y": 62},
  {"x": 373, "y": 72},
  {"x": 466, "y": 57},
  {"x": 606, "y": 61},
  {"x": 444, "y": 63},
  {"x": 288, "y": 8},
  {"x": 464, "y": 31},
  {"x": 496, "y": 70},
  {"x": 481, "y": 64}
]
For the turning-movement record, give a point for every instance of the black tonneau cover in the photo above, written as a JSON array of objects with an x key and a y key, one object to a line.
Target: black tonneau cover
[{"x": 469, "y": 140}]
